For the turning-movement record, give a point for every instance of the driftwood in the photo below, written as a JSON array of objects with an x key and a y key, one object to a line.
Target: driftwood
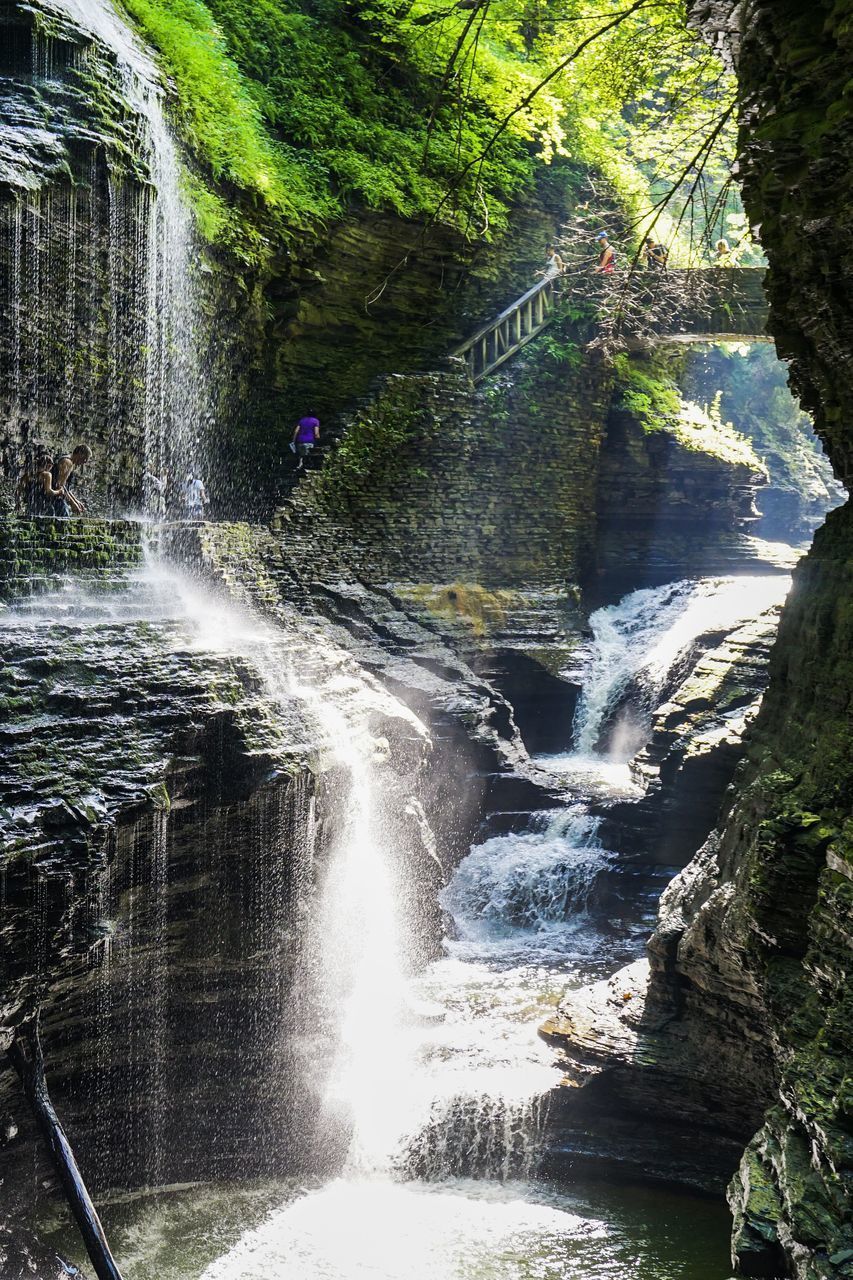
[{"x": 25, "y": 1054}]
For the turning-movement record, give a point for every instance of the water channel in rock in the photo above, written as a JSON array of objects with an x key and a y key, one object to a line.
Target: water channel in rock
[{"x": 437, "y": 1076}]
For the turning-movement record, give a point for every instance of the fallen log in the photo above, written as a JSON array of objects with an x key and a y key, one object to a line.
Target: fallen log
[{"x": 25, "y": 1054}]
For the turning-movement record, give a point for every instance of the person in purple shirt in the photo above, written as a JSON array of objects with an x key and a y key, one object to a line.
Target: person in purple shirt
[{"x": 306, "y": 433}]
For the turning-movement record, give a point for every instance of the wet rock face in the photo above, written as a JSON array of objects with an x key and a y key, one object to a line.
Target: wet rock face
[
  {"x": 774, "y": 915},
  {"x": 619, "y": 1053},
  {"x": 167, "y": 824},
  {"x": 114, "y": 742},
  {"x": 73, "y": 209}
]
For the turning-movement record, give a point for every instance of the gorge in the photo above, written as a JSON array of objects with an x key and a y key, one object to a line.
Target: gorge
[{"x": 436, "y": 863}]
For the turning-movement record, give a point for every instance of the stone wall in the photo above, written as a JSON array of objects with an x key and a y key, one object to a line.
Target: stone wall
[
  {"x": 36, "y": 553},
  {"x": 533, "y": 479}
]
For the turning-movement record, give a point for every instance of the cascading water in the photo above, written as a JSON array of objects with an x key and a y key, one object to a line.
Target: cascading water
[
  {"x": 112, "y": 259},
  {"x": 639, "y": 642},
  {"x": 362, "y": 963},
  {"x": 177, "y": 405},
  {"x": 436, "y": 1080}
]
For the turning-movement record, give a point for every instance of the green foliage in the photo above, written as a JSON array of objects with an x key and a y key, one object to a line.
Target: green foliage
[
  {"x": 644, "y": 391},
  {"x": 646, "y": 388},
  {"x": 298, "y": 110}
]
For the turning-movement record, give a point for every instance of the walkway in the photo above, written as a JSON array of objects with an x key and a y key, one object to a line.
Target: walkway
[{"x": 642, "y": 308}]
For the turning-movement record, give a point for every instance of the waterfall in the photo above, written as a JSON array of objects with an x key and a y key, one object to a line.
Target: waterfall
[
  {"x": 362, "y": 963},
  {"x": 356, "y": 932},
  {"x": 101, "y": 281},
  {"x": 531, "y": 881},
  {"x": 638, "y": 642},
  {"x": 177, "y": 405}
]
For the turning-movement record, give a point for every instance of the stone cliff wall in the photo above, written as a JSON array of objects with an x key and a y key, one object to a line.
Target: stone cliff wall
[
  {"x": 165, "y": 822},
  {"x": 783, "y": 903},
  {"x": 751, "y": 964},
  {"x": 523, "y": 482}
]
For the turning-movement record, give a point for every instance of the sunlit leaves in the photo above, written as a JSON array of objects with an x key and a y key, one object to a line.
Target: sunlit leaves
[{"x": 442, "y": 109}]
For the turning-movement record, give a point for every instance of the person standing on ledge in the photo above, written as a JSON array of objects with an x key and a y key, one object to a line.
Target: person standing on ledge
[
  {"x": 63, "y": 469},
  {"x": 195, "y": 496},
  {"x": 606, "y": 255},
  {"x": 306, "y": 433}
]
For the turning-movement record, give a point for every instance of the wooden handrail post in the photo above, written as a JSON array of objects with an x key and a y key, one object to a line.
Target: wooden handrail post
[{"x": 30, "y": 1068}]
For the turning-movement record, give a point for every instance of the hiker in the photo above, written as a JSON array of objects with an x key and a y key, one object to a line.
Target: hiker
[
  {"x": 35, "y": 487},
  {"x": 195, "y": 497},
  {"x": 606, "y": 255},
  {"x": 724, "y": 253},
  {"x": 554, "y": 264},
  {"x": 306, "y": 433},
  {"x": 153, "y": 493},
  {"x": 63, "y": 469},
  {"x": 657, "y": 255}
]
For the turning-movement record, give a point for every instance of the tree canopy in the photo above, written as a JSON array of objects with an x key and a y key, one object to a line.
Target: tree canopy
[{"x": 441, "y": 110}]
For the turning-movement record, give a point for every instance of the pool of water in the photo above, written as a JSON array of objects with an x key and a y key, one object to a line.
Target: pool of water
[{"x": 461, "y": 1229}]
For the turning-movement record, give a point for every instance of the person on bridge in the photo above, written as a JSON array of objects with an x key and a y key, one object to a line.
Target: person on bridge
[
  {"x": 724, "y": 253},
  {"x": 606, "y": 255},
  {"x": 306, "y": 433},
  {"x": 554, "y": 264},
  {"x": 657, "y": 255}
]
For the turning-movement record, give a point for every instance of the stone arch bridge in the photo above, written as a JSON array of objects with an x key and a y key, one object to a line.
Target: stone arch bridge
[{"x": 629, "y": 311}]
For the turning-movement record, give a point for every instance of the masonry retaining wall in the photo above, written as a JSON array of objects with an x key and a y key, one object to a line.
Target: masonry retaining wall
[{"x": 35, "y": 553}]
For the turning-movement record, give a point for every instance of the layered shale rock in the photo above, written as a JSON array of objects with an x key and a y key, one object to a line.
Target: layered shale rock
[
  {"x": 751, "y": 963},
  {"x": 168, "y": 802}
]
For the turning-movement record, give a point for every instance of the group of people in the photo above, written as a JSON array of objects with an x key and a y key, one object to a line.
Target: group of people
[
  {"x": 655, "y": 256},
  {"x": 43, "y": 488},
  {"x": 193, "y": 495}
]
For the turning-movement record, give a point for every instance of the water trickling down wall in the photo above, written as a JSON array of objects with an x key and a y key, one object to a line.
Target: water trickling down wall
[{"x": 101, "y": 328}]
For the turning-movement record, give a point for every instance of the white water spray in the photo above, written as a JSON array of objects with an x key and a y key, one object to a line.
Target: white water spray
[
  {"x": 640, "y": 640},
  {"x": 177, "y": 405}
]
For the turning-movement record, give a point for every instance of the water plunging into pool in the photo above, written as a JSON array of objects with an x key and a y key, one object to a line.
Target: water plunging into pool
[
  {"x": 438, "y": 1077},
  {"x": 443, "y": 1074}
]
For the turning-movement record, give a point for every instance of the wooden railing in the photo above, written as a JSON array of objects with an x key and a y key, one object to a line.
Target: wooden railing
[
  {"x": 653, "y": 306},
  {"x": 513, "y": 329}
]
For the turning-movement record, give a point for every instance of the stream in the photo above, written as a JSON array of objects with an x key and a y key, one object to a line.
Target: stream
[{"x": 439, "y": 1077}]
